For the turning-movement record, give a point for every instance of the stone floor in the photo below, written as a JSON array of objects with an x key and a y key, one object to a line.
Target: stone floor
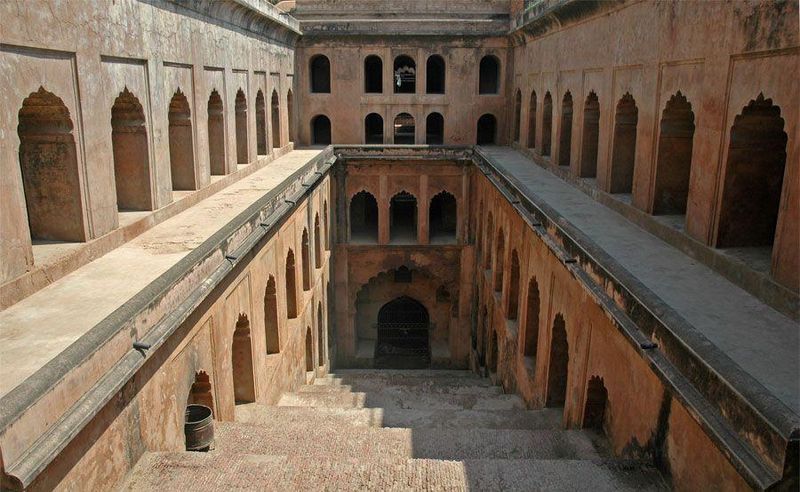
[
  {"x": 396, "y": 430},
  {"x": 38, "y": 328},
  {"x": 757, "y": 338}
]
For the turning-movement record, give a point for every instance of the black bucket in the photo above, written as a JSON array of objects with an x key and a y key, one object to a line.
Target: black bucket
[{"x": 199, "y": 428}]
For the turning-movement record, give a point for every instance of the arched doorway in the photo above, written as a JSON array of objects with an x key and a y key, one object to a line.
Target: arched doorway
[
  {"x": 131, "y": 157},
  {"x": 363, "y": 218},
  {"x": 489, "y": 75},
  {"x": 320, "y": 74},
  {"x": 674, "y": 163},
  {"x": 216, "y": 133},
  {"x": 181, "y": 149},
  {"x": 487, "y": 129},
  {"x": 623, "y": 147},
  {"x": 244, "y": 388},
  {"x": 261, "y": 123},
  {"x": 591, "y": 134},
  {"x": 49, "y": 166},
  {"x": 309, "y": 350},
  {"x": 547, "y": 123},
  {"x": 751, "y": 193},
  {"x": 404, "y": 129},
  {"x": 434, "y": 129},
  {"x": 594, "y": 410},
  {"x": 558, "y": 371},
  {"x": 403, "y": 329},
  {"x": 321, "y": 130},
  {"x": 373, "y": 129},
  {"x": 403, "y": 218},
  {"x": 405, "y": 75},
  {"x": 373, "y": 74},
  {"x": 565, "y": 137},
  {"x": 434, "y": 81},
  {"x": 240, "y": 109}
]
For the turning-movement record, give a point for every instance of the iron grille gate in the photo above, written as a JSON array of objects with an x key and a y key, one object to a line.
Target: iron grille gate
[{"x": 403, "y": 331}]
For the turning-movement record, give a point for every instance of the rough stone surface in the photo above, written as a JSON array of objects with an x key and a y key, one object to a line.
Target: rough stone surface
[{"x": 329, "y": 448}]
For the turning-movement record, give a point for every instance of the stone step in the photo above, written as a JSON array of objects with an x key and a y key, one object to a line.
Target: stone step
[
  {"x": 398, "y": 398},
  {"x": 379, "y": 378},
  {"x": 419, "y": 389},
  {"x": 447, "y": 444},
  {"x": 215, "y": 471},
  {"x": 254, "y": 413}
]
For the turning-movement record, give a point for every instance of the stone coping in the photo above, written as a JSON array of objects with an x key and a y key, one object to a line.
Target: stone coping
[
  {"x": 218, "y": 252},
  {"x": 699, "y": 372}
]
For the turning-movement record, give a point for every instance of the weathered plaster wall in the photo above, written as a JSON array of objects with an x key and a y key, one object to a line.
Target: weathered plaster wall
[
  {"x": 86, "y": 53},
  {"x": 148, "y": 413},
  {"x": 364, "y": 271},
  {"x": 720, "y": 56},
  {"x": 642, "y": 419},
  {"x": 348, "y": 104}
]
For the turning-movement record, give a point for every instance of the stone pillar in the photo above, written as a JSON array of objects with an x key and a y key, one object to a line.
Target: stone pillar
[
  {"x": 383, "y": 211},
  {"x": 423, "y": 203}
]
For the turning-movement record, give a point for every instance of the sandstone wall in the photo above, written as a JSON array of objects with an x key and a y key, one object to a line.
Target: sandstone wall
[
  {"x": 81, "y": 57},
  {"x": 720, "y": 57}
]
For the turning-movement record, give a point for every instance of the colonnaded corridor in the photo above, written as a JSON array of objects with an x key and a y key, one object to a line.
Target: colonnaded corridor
[{"x": 396, "y": 429}]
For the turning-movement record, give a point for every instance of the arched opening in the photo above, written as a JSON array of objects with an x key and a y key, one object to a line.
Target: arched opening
[
  {"x": 363, "y": 218},
  {"x": 489, "y": 75},
  {"x": 261, "y": 123},
  {"x": 487, "y": 260},
  {"x": 487, "y": 129},
  {"x": 320, "y": 74},
  {"x": 320, "y": 335},
  {"x": 373, "y": 74},
  {"x": 131, "y": 154},
  {"x": 623, "y": 152},
  {"x": 49, "y": 165},
  {"x": 442, "y": 218},
  {"x": 547, "y": 123},
  {"x": 403, "y": 218},
  {"x": 309, "y": 350},
  {"x": 751, "y": 193},
  {"x": 558, "y": 370},
  {"x": 517, "y": 114},
  {"x": 321, "y": 130},
  {"x": 591, "y": 134},
  {"x": 565, "y": 140},
  {"x": 241, "y": 127},
  {"x": 434, "y": 129},
  {"x": 275, "y": 120},
  {"x": 216, "y": 133},
  {"x": 434, "y": 78},
  {"x": 499, "y": 260},
  {"x": 181, "y": 148},
  {"x": 493, "y": 352},
  {"x": 674, "y": 163},
  {"x": 291, "y": 286},
  {"x": 327, "y": 240},
  {"x": 306, "y": 261},
  {"x": 403, "y": 335},
  {"x": 532, "y": 121},
  {"x": 289, "y": 109},
  {"x": 271, "y": 317},
  {"x": 513, "y": 287},
  {"x": 244, "y": 388},
  {"x": 405, "y": 75},
  {"x": 200, "y": 392},
  {"x": 594, "y": 411},
  {"x": 483, "y": 333},
  {"x": 531, "y": 341},
  {"x": 404, "y": 129},
  {"x": 373, "y": 129},
  {"x": 317, "y": 243}
]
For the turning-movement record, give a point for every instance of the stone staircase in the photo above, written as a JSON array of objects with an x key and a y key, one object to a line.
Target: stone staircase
[{"x": 396, "y": 430}]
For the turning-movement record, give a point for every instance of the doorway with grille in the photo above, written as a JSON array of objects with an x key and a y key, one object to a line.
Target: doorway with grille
[{"x": 403, "y": 335}]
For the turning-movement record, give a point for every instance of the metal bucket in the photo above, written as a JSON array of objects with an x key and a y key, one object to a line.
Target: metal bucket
[{"x": 199, "y": 428}]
